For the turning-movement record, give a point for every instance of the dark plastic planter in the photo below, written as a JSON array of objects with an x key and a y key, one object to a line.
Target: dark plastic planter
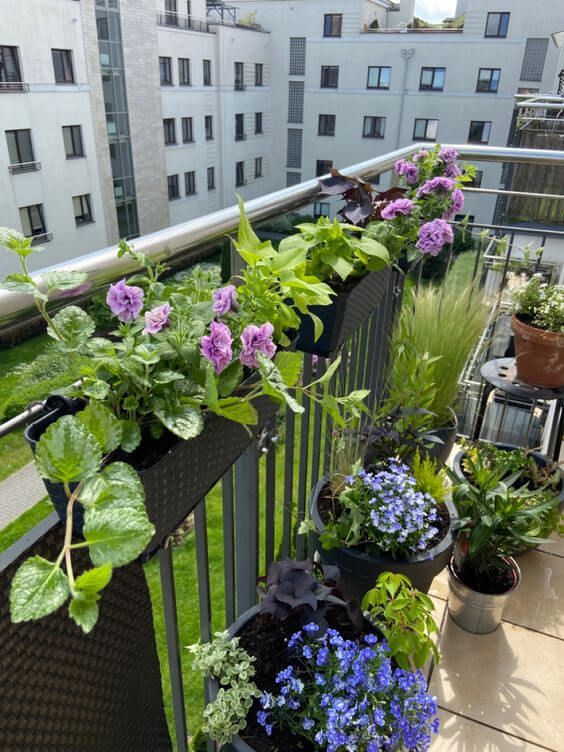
[
  {"x": 344, "y": 316},
  {"x": 181, "y": 477},
  {"x": 360, "y": 570},
  {"x": 441, "y": 452}
]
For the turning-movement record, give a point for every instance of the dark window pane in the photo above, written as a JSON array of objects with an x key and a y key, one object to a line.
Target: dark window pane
[
  {"x": 82, "y": 209},
  {"x": 62, "y": 64}
]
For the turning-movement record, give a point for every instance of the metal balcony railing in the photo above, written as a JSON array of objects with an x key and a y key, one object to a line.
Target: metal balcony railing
[
  {"x": 180, "y": 21},
  {"x": 15, "y": 169},
  {"x": 13, "y": 86},
  {"x": 104, "y": 691}
]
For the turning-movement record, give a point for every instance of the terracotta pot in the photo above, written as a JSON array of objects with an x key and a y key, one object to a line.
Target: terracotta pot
[{"x": 539, "y": 355}]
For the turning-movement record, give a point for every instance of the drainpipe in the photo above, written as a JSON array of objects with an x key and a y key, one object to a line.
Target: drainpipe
[{"x": 406, "y": 54}]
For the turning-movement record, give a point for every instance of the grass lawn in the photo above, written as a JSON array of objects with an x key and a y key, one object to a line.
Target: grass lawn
[{"x": 10, "y": 534}]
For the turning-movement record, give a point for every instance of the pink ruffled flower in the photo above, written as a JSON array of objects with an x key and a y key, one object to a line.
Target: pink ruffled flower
[
  {"x": 433, "y": 236},
  {"x": 256, "y": 339},
  {"x": 452, "y": 170},
  {"x": 125, "y": 301},
  {"x": 216, "y": 346},
  {"x": 225, "y": 300},
  {"x": 435, "y": 185},
  {"x": 156, "y": 319},
  {"x": 447, "y": 154},
  {"x": 407, "y": 170},
  {"x": 400, "y": 206}
]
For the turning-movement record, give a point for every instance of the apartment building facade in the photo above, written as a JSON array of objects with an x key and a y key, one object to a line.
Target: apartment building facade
[{"x": 120, "y": 117}]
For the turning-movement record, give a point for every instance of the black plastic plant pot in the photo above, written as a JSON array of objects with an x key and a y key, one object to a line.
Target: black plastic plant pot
[
  {"x": 360, "y": 570},
  {"x": 344, "y": 316},
  {"x": 177, "y": 479},
  {"x": 447, "y": 435}
]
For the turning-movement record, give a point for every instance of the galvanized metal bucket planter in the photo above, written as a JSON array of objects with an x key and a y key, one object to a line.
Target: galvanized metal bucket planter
[
  {"x": 344, "y": 316},
  {"x": 479, "y": 613},
  {"x": 360, "y": 570}
]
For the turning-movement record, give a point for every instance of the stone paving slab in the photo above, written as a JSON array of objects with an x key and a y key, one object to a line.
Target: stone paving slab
[{"x": 19, "y": 492}]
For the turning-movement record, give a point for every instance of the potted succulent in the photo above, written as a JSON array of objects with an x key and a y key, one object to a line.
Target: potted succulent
[
  {"x": 529, "y": 468},
  {"x": 283, "y": 669},
  {"x": 496, "y": 520},
  {"x": 389, "y": 518},
  {"x": 538, "y": 328}
]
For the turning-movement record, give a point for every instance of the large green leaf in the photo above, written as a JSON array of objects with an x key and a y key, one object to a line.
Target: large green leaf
[
  {"x": 116, "y": 535},
  {"x": 102, "y": 424},
  {"x": 74, "y": 326},
  {"x": 62, "y": 280},
  {"x": 95, "y": 388},
  {"x": 183, "y": 421},
  {"x": 17, "y": 282},
  {"x": 273, "y": 384},
  {"x": 239, "y": 411},
  {"x": 117, "y": 486},
  {"x": 290, "y": 366},
  {"x": 67, "y": 451},
  {"x": 39, "y": 587}
]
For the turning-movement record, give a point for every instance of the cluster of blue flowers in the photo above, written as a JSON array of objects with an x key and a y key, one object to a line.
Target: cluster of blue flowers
[
  {"x": 398, "y": 518},
  {"x": 343, "y": 695}
]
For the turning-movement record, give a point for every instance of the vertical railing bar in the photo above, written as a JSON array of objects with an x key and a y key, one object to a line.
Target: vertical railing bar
[
  {"x": 166, "y": 568},
  {"x": 304, "y": 458},
  {"x": 354, "y": 360},
  {"x": 228, "y": 546},
  {"x": 343, "y": 368},
  {"x": 246, "y": 528},
  {"x": 290, "y": 434},
  {"x": 317, "y": 418},
  {"x": 269, "y": 515},
  {"x": 376, "y": 350},
  {"x": 329, "y": 427},
  {"x": 361, "y": 370},
  {"x": 506, "y": 265},
  {"x": 202, "y": 562}
]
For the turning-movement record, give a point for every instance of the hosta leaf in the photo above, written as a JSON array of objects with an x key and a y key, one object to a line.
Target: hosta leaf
[
  {"x": 39, "y": 587},
  {"x": 102, "y": 424},
  {"x": 74, "y": 326},
  {"x": 18, "y": 283},
  {"x": 183, "y": 421},
  {"x": 61, "y": 280},
  {"x": 67, "y": 451},
  {"x": 116, "y": 535}
]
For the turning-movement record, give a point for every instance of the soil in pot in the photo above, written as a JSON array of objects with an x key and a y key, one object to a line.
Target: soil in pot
[{"x": 496, "y": 580}]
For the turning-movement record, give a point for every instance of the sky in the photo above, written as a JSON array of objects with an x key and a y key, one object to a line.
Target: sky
[{"x": 434, "y": 10}]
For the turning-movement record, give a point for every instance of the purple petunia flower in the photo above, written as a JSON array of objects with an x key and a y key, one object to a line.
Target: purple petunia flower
[
  {"x": 125, "y": 301},
  {"x": 224, "y": 300},
  {"x": 256, "y": 339},
  {"x": 452, "y": 170},
  {"x": 399, "y": 206},
  {"x": 433, "y": 236},
  {"x": 435, "y": 185},
  {"x": 216, "y": 347},
  {"x": 156, "y": 319},
  {"x": 448, "y": 154},
  {"x": 421, "y": 154},
  {"x": 407, "y": 170},
  {"x": 457, "y": 204}
]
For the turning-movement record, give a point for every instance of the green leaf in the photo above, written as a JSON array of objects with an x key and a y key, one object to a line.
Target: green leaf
[
  {"x": 94, "y": 580},
  {"x": 130, "y": 435},
  {"x": 330, "y": 372},
  {"x": 117, "y": 486},
  {"x": 341, "y": 266},
  {"x": 240, "y": 411},
  {"x": 246, "y": 236},
  {"x": 19, "y": 283},
  {"x": 61, "y": 280},
  {"x": 39, "y": 587},
  {"x": 84, "y": 611},
  {"x": 102, "y": 424},
  {"x": 182, "y": 420},
  {"x": 95, "y": 389},
  {"x": 290, "y": 366},
  {"x": 317, "y": 326},
  {"x": 273, "y": 384},
  {"x": 166, "y": 377},
  {"x": 116, "y": 535},
  {"x": 67, "y": 451},
  {"x": 74, "y": 326},
  {"x": 211, "y": 397},
  {"x": 15, "y": 242},
  {"x": 230, "y": 378}
]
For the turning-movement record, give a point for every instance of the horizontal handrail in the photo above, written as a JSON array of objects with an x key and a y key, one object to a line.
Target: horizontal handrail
[{"x": 174, "y": 244}]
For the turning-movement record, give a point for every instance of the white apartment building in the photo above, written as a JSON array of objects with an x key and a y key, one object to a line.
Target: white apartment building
[{"x": 120, "y": 117}]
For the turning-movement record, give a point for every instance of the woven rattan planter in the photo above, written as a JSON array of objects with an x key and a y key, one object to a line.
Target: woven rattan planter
[{"x": 344, "y": 316}]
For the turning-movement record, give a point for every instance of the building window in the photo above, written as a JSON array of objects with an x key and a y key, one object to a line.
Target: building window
[
  {"x": 258, "y": 122},
  {"x": 479, "y": 132},
  {"x": 527, "y": 90},
  {"x": 379, "y": 77},
  {"x": 165, "y": 67},
  {"x": 533, "y": 59},
  {"x": 190, "y": 183},
  {"x": 72, "y": 138},
  {"x": 211, "y": 178},
  {"x": 322, "y": 167},
  {"x": 82, "y": 209},
  {"x": 170, "y": 12},
  {"x": 239, "y": 127},
  {"x": 295, "y": 101},
  {"x": 476, "y": 181},
  {"x": 432, "y": 79},
  {"x": 239, "y": 76},
  {"x": 259, "y": 74},
  {"x": 173, "y": 190},
  {"x": 207, "y": 72},
  {"x": 258, "y": 167},
  {"x": 208, "y": 123},
  {"x": 20, "y": 148},
  {"x": 297, "y": 56},
  {"x": 373, "y": 127},
  {"x": 329, "y": 76},
  {"x": 10, "y": 74},
  {"x": 239, "y": 173},
  {"x": 187, "y": 130},
  {"x": 169, "y": 131},
  {"x": 332, "y": 24},
  {"x": 321, "y": 209},
  {"x": 293, "y": 178},
  {"x": 425, "y": 129},
  {"x": 33, "y": 221},
  {"x": 488, "y": 80},
  {"x": 62, "y": 63},
  {"x": 294, "y": 149},
  {"x": 326, "y": 125},
  {"x": 184, "y": 71},
  {"x": 497, "y": 25}
]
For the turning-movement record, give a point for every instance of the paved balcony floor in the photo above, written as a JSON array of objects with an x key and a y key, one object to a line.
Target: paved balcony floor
[{"x": 504, "y": 692}]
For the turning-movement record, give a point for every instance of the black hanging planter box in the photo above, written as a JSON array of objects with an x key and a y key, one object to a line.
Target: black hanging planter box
[
  {"x": 179, "y": 477},
  {"x": 345, "y": 315}
]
